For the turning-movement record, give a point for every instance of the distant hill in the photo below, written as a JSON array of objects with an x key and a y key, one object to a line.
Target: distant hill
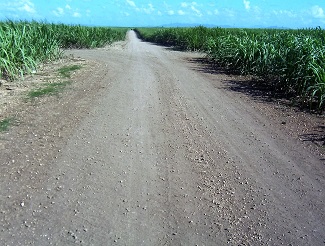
[
  {"x": 271, "y": 27},
  {"x": 189, "y": 25}
]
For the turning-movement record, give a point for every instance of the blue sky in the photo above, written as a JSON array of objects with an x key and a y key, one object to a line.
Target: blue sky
[{"x": 234, "y": 13}]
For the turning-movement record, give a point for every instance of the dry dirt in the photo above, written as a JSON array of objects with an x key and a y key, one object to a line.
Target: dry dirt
[{"x": 148, "y": 146}]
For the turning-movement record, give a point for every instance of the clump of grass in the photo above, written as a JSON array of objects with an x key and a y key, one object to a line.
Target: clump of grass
[
  {"x": 49, "y": 89},
  {"x": 65, "y": 71},
  {"x": 5, "y": 124}
]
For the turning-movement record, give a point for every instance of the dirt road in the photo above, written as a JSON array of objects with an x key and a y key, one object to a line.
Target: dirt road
[{"x": 156, "y": 153}]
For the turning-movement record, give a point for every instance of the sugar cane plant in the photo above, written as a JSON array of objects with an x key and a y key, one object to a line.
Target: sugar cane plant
[
  {"x": 24, "y": 45},
  {"x": 290, "y": 61}
]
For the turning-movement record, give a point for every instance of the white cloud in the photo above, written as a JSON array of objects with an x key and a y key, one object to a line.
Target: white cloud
[
  {"x": 58, "y": 12},
  {"x": 198, "y": 12},
  {"x": 159, "y": 13},
  {"x": 76, "y": 14},
  {"x": 216, "y": 12},
  {"x": 181, "y": 12},
  {"x": 192, "y": 6},
  {"x": 247, "y": 4},
  {"x": 318, "y": 12},
  {"x": 171, "y": 12},
  {"x": 131, "y": 3},
  {"x": 285, "y": 12},
  {"x": 27, "y": 8},
  {"x": 68, "y": 10},
  {"x": 24, "y": 5},
  {"x": 150, "y": 9}
]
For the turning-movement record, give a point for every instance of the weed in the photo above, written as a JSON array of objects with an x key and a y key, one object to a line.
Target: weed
[
  {"x": 5, "y": 124},
  {"x": 65, "y": 71},
  {"x": 49, "y": 89}
]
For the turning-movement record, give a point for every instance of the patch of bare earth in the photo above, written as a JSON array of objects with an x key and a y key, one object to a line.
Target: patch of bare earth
[
  {"x": 40, "y": 129},
  {"x": 302, "y": 124}
]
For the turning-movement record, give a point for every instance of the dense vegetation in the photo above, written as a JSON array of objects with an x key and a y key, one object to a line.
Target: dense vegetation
[
  {"x": 289, "y": 61},
  {"x": 23, "y": 45}
]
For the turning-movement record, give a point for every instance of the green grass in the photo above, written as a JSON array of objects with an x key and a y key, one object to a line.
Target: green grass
[
  {"x": 5, "y": 124},
  {"x": 48, "y": 89},
  {"x": 65, "y": 71},
  {"x": 54, "y": 88}
]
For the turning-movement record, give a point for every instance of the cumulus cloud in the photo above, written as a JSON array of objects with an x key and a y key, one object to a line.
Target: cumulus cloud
[
  {"x": 318, "y": 12},
  {"x": 247, "y": 4},
  {"x": 21, "y": 5},
  {"x": 131, "y": 3},
  {"x": 76, "y": 14},
  {"x": 58, "y": 12},
  {"x": 27, "y": 8},
  {"x": 198, "y": 12},
  {"x": 181, "y": 12},
  {"x": 149, "y": 9},
  {"x": 192, "y": 6},
  {"x": 171, "y": 12},
  {"x": 68, "y": 10},
  {"x": 285, "y": 12}
]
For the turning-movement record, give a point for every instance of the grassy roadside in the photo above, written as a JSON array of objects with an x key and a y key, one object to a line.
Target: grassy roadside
[
  {"x": 49, "y": 89},
  {"x": 55, "y": 87},
  {"x": 50, "y": 82},
  {"x": 66, "y": 71},
  {"x": 27, "y": 47}
]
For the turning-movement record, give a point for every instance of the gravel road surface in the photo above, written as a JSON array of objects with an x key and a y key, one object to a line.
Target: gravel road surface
[{"x": 156, "y": 153}]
